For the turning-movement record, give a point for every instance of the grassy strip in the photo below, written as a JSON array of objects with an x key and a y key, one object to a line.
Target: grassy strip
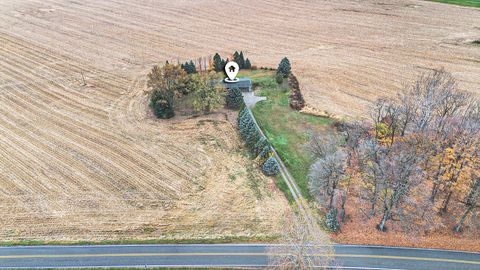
[
  {"x": 287, "y": 130},
  {"x": 223, "y": 240},
  {"x": 466, "y": 3}
]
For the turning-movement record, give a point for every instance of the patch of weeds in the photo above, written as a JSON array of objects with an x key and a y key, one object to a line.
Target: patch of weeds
[
  {"x": 476, "y": 42},
  {"x": 206, "y": 121},
  {"x": 233, "y": 176},
  {"x": 211, "y": 140},
  {"x": 149, "y": 229},
  {"x": 282, "y": 185},
  {"x": 253, "y": 181}
]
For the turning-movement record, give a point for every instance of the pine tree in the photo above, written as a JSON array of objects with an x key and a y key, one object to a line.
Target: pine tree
[
  {"x": 248, "y": 65},
  {"x": 241, "y": 60},
  {"x": 235, "y": 56},
  {"x": 284, "y": 67},
  {"x": 266, "y": 152},
  {"x": 234, "y": 98},
  {"x": 238, "y": 58},
  {"x": 189, "y": 67},
  {"x": 217, "y": 63},
  {"x": 193, "y": 69},
  {"x": 224, "y": 63},
  {"x": 331, "y": 220},
  {"x": 261, "y": 143},
  {"x": 270, "y": 167}
]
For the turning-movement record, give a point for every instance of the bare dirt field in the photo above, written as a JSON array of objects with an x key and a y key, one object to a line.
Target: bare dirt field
[{"x": 90, "y": 162}]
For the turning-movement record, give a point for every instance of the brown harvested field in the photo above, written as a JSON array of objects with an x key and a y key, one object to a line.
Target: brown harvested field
[
  {"x": 346, "y": 53},
  {"x": 90, "y": 162}
]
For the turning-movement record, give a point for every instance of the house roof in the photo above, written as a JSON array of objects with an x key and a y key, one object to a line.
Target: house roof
[{"x": 242, "y": 83}]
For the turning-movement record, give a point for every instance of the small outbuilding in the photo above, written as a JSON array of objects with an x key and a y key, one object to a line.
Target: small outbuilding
[{"x": 244, "y": 84}]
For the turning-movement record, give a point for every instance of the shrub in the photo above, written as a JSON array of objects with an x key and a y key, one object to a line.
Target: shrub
[
  {"x": 266, "y": 152},
  {"x": 296, "y": 100},
  {"x": 261, "y": 143},
  {"x": 267, "y": 83},
  {"x": 253, "y": 136},
  {"x": 234, "y": 98},
  {"x": 162, "y": 107},
  {"x": 254, "y": 68},
  {"x": 279, "y": 78},
  {"x": 331, "y": 220},
  {"x": 284, "y": 67},
  {"x": 246, "y": 125},
  {"x": 293, "y": 82},
  {"x": 270, "y": 167}
]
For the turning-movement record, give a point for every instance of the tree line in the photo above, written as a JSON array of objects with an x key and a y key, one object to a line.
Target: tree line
[
  {"x": 416, "y": 160},
  {"x": 219, "y": 63}
]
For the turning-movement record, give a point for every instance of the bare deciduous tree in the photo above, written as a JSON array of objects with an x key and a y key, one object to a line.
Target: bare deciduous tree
[
  {"x": 402, "y": 172},
  {"x": 321, "y": 145},
  {"x": 304, "y": 245},
  {"x": 372, "y": 159},
  {"x": 325, "y": 175}
]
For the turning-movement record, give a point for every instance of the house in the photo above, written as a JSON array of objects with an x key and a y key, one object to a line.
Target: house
[{"x": 244, "y": 84}]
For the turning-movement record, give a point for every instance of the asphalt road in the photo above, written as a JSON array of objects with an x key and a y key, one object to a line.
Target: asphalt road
[{"x": 228, "y": 255}]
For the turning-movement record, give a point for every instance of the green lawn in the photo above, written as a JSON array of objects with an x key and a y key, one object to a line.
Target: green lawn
[
  {"x": 467, "y": 3},
  {"x": 287, "y": 130}
]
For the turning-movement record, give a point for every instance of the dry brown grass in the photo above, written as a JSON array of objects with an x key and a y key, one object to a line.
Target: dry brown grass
[{"x": 90, "y": 162}]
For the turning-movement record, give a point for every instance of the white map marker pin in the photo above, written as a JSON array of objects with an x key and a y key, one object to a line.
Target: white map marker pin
[{"x": 232, "y": 69}]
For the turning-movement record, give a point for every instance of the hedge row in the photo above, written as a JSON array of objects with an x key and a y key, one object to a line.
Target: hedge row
[
  {"x": 297, "y": 102},
  {"x": 256, "y": 142}
]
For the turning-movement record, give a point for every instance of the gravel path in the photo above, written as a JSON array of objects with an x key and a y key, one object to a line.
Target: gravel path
[{"x": 250, "y": 99}]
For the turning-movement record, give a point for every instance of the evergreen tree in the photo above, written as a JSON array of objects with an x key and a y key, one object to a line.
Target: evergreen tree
[
  {"x": 266, "y": 152},
  {"x": 235, "y": 56},
  {"x": 189, "y": 67},
  {"x": 193, "y": 69},
  {"x": 261, "y": 143},
  {"x": 241, "y": 60},
  {"x": 248, "y": 65},
  {"x": 284, "y": 67},
  {"x": 270, "y": 167},
  {"x": 331, "y": 220},
  {"x": 253, "y": 136},
  {"x": 217, "y": 63},
  {"x": 234, "y": 98},
  {"x": 223, "y": 63}
]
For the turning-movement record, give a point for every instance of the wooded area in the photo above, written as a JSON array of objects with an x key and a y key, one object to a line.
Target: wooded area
[{"x": 416, "y": 162}]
